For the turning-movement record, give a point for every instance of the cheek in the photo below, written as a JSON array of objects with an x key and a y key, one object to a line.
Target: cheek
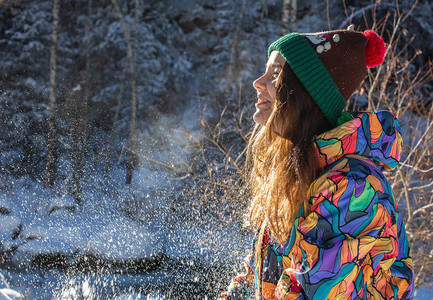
[{"x": 272, "y": 91}]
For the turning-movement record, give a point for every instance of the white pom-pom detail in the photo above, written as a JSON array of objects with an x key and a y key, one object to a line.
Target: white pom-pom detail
[
  {"x": 327, "y": 46},
  {"x": 336, "y": 38},
  {"x": 320, "y": 49}
]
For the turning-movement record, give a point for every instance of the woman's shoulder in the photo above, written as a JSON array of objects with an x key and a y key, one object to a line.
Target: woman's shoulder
[{"x": 347, "y": 180}]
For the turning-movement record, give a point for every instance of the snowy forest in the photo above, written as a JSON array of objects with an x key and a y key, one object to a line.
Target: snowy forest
[{"x": 123, "y": 129}]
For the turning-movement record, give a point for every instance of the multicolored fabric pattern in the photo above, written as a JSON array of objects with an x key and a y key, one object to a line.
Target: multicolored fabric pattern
[{"x": 353, "y": 244}]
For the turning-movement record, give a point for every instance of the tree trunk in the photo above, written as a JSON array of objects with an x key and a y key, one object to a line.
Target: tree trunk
[
  {"x": 289, "y": 16},
  {"x": 109, "y": 154},
  {"x": 132, "y": 158},
  {"x": 51, "y": 138},
  {"x": 233, "y": 51},
  {"x": 83, "y": 116}
]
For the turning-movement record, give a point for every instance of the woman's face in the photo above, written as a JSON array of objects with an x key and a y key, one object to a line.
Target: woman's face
[{"x": 266, "y": 89}]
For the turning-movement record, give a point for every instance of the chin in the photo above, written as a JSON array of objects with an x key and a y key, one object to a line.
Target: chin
[
  {"x": 257, "y": 119},
  {"x": 260, "y": 118}
]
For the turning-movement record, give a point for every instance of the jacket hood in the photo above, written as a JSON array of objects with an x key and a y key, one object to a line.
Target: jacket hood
[{"x": 376, "y": 136}]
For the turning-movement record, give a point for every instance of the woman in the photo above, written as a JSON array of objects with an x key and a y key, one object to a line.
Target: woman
[{"x": 327, "y": 224}]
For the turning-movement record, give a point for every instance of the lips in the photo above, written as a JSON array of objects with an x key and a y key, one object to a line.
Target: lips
[{"x": 262, "y": 101}]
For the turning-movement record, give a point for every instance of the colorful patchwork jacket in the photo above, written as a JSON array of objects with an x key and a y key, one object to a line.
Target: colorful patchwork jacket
[{"x": 353, "y": 244}]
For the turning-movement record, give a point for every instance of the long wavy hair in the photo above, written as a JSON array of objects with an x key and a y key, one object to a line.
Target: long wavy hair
[{"x": 283, "y": 158}]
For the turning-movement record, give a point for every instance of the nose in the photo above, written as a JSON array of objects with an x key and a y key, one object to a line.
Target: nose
[{"x": 259, "y": 83}]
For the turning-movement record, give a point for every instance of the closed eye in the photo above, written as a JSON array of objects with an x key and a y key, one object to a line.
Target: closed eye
[{"x": 274, "y": 76}]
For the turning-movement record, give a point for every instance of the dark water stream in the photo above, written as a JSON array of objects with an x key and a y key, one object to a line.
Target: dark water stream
[{"x": 170, "y": 283}]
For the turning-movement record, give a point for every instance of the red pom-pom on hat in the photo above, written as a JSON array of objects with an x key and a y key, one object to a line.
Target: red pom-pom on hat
[{"x": 375, "y": 49}]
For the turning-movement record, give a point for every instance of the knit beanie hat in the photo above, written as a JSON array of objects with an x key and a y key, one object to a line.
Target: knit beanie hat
[{"x": 331, "y": 65}]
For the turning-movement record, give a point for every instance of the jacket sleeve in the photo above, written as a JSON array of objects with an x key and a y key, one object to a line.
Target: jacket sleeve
[
  {"x": 348, "y": 236},
  {"x": 241, "y": 285}
]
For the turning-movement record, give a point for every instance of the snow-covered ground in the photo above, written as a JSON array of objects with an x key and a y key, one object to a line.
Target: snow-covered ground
[
  {"x": 424, "y": 293},
  {"x": 127, "y": 237}
]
